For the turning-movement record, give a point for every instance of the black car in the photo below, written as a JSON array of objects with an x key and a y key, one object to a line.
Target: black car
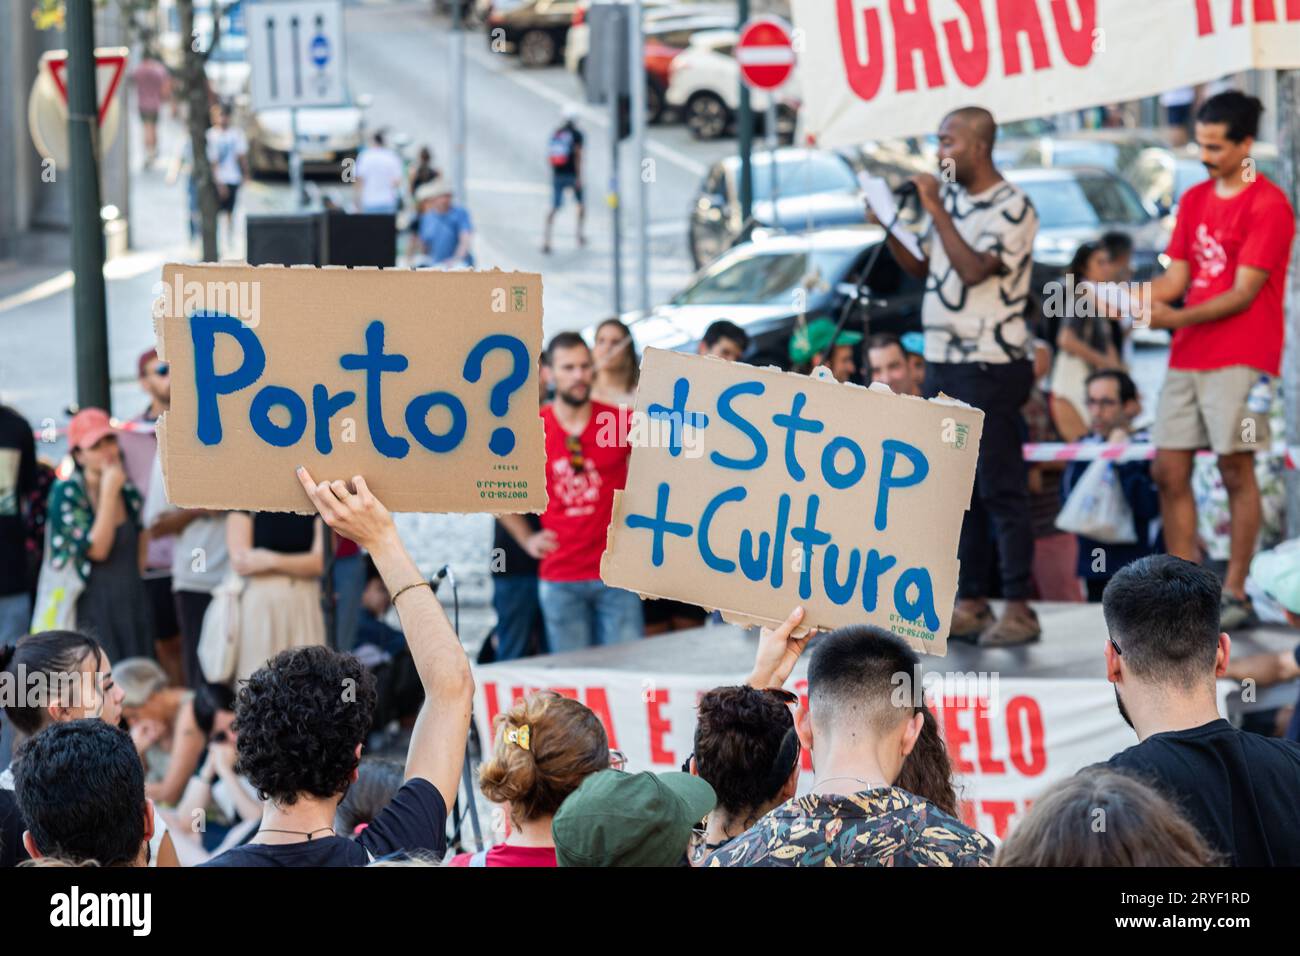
[
  {"x": 533, "y": 29},
  {"x": 815, "y": 189},
  {"x": 764, "y": 285}
]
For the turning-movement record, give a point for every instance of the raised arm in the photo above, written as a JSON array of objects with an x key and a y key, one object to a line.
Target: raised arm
[{"x": 437, "y": 748}]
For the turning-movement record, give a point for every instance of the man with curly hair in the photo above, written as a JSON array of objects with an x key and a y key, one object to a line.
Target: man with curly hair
[{"x": 302, "y": 718}]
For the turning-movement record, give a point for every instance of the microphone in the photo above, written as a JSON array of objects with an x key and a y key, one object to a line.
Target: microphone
[
  {"x": 906, "y": 190},
  {"x": 437, "y": 579}
]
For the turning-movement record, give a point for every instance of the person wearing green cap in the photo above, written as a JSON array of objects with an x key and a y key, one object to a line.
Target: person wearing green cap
[
  {"x": 810, "y": 346},
  {"x": 1275, "y": 576},
  {"x": 631, "y": 819}
]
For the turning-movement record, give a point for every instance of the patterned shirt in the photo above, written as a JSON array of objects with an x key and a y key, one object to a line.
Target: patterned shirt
[
  {"x": 984, "y": 322},
  {"x": 881, "y": 827},
  {"x": 70, "y": 517}
]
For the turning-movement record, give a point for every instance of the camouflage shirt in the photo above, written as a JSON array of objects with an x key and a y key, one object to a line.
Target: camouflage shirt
[{"x": 880, "y": 827}]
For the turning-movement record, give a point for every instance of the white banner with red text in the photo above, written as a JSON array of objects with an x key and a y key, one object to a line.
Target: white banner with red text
[
  {"x": 873, "y": 69},
  {"x": 1009, "y": 737}
]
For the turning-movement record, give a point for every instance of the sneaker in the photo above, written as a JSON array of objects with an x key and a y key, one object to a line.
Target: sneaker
[
  {"x": 968, "y": 625},
  {"x": 1015, "y": 627},
  {"x": 1234, "y": 612}
]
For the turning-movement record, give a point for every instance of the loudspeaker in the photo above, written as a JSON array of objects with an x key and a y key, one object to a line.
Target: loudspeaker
[
  {"x": 358, "y": 239},
  {"x": 287, "y": 239}
]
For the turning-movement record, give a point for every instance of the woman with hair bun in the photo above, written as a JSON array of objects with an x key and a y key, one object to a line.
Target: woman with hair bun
[{"x": 546, "y": 745}]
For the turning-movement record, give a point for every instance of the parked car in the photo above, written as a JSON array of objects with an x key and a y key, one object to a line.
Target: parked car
[
  {"x": 327, "y": 136},
  {"x": 704, "y": 82},
  {"x": 760, "y": 286},
  {"x": 1161, "y": 176},
  {"x": 577, "y": 42},
  {"x": 535, "y": 30},
  {"x": 1076, "y": 205},
  {"x": 815, "y": 189},
  {"x": 664, "y": 40}
]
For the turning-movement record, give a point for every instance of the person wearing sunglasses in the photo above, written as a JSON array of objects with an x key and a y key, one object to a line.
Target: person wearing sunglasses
[
  {"x": 859, "y": 735},
  {"x": 587, "y": 456},
  {"x": 747, "y": 749},
  {"x": 1112, "y": 407}
]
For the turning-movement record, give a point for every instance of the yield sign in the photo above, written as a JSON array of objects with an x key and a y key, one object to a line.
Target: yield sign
[
  {"x": 764, "y": 53},
  {"x": 110, "y": 64}
]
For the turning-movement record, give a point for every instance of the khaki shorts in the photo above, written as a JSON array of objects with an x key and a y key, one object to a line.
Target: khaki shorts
[{"x": 1208, "y": 410}]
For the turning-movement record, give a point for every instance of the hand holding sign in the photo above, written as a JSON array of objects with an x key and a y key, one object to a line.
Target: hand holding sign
[
  {"x": 778, "y": 652},
  {"x": 352, "y": 511}
]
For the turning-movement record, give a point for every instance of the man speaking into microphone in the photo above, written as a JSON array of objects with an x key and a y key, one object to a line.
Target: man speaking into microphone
[{"x": 978, "y": 256}]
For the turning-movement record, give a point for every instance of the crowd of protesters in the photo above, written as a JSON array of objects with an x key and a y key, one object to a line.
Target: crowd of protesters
[{"x": 144, "y": 726}]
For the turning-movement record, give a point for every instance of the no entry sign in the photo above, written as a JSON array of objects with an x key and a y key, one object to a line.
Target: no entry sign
[{"x": 765, "y": 54}]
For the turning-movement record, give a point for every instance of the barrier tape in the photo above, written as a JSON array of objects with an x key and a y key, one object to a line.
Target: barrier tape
[{"x": 1131, "y": 451}]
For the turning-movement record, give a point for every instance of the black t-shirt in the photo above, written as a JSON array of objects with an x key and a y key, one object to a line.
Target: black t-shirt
[
  {"x": 570, "y": 165},
  {"x": 285, "y": 533},
  {"x": 415, "y": 819},
  {"x": 17, "y": 478},
  {"x": 514, "y": 559},
  {"x": 1240, "y": 790}
]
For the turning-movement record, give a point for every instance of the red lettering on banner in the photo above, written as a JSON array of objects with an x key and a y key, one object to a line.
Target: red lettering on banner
[
  {"x": 913, "y": 32},
  {"x": 598, "y": 701},
  {"x": 1001, "y": 811},
  {"x": 660, "y": 726},
  {"x": 569, "y": 692},
  {"x": 1016, "y": 17},
  {"x": 1204, "y": 18},
  {"x": 955, "y": 735},
  {"x": 1033, "y": 761},
  {"x": 984, "y": 740},
  {"x": 1076, "y": 44},
  {"x": 971, "y": 64},
  {"x": 1265, "y": 11},
  {"x": 966, "y": 810},
  {"x": 490, "y": 702},
  {"x": 864, "y": 78}
]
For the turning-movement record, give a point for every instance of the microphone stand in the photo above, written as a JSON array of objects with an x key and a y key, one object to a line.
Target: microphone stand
[
  {"x": 850, "y": 301},
  {"x": 467, "y": 772}
]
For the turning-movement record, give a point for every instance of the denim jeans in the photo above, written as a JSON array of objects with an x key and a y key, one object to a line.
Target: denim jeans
[
  {"x": 581, "y": 614},
  {"x": 519, "y": 616},
  {"x": 349, "y": 582}
]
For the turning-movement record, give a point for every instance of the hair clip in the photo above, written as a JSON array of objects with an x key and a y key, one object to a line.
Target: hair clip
[{"x": 518, "y": 735}]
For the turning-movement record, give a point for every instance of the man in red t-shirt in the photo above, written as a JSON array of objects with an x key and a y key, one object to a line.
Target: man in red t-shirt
[
  {"x": 586, "y": 462},
  {"x": 1230, "y": 252}
]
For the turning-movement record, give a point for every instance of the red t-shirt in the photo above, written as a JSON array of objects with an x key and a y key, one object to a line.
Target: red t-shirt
[
  {"x": 503, "y": 855},
  {"x": 581, "y": 491},
  {"x": 1214, "y": 236}
]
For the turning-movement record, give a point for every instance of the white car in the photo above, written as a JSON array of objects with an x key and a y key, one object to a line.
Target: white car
[
  {"x": 578, "y": 42},
  {"x": 704, "y": 84},
  {"x": 326, "y": 137}
]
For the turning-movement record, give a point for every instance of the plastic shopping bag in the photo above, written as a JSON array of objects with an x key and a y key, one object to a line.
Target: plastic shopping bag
[{"x": 1097, "y": 508}]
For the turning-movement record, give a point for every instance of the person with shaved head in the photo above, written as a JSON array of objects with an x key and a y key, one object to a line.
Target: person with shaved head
[{"x": 977, "y": 258}]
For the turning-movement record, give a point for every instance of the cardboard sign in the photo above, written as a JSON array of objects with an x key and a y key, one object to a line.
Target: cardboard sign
[
  {"x": 754, "y": 490},
  {"x": 425, "y": 383}
]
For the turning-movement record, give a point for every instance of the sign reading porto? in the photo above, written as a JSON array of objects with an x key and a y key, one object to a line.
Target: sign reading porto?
[
  {"x": 423, "y": 382},
  {"x": 775, "y": 490}
]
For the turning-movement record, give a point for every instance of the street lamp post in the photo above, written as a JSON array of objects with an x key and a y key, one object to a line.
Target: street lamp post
[{"x": 90, "y": 314}]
